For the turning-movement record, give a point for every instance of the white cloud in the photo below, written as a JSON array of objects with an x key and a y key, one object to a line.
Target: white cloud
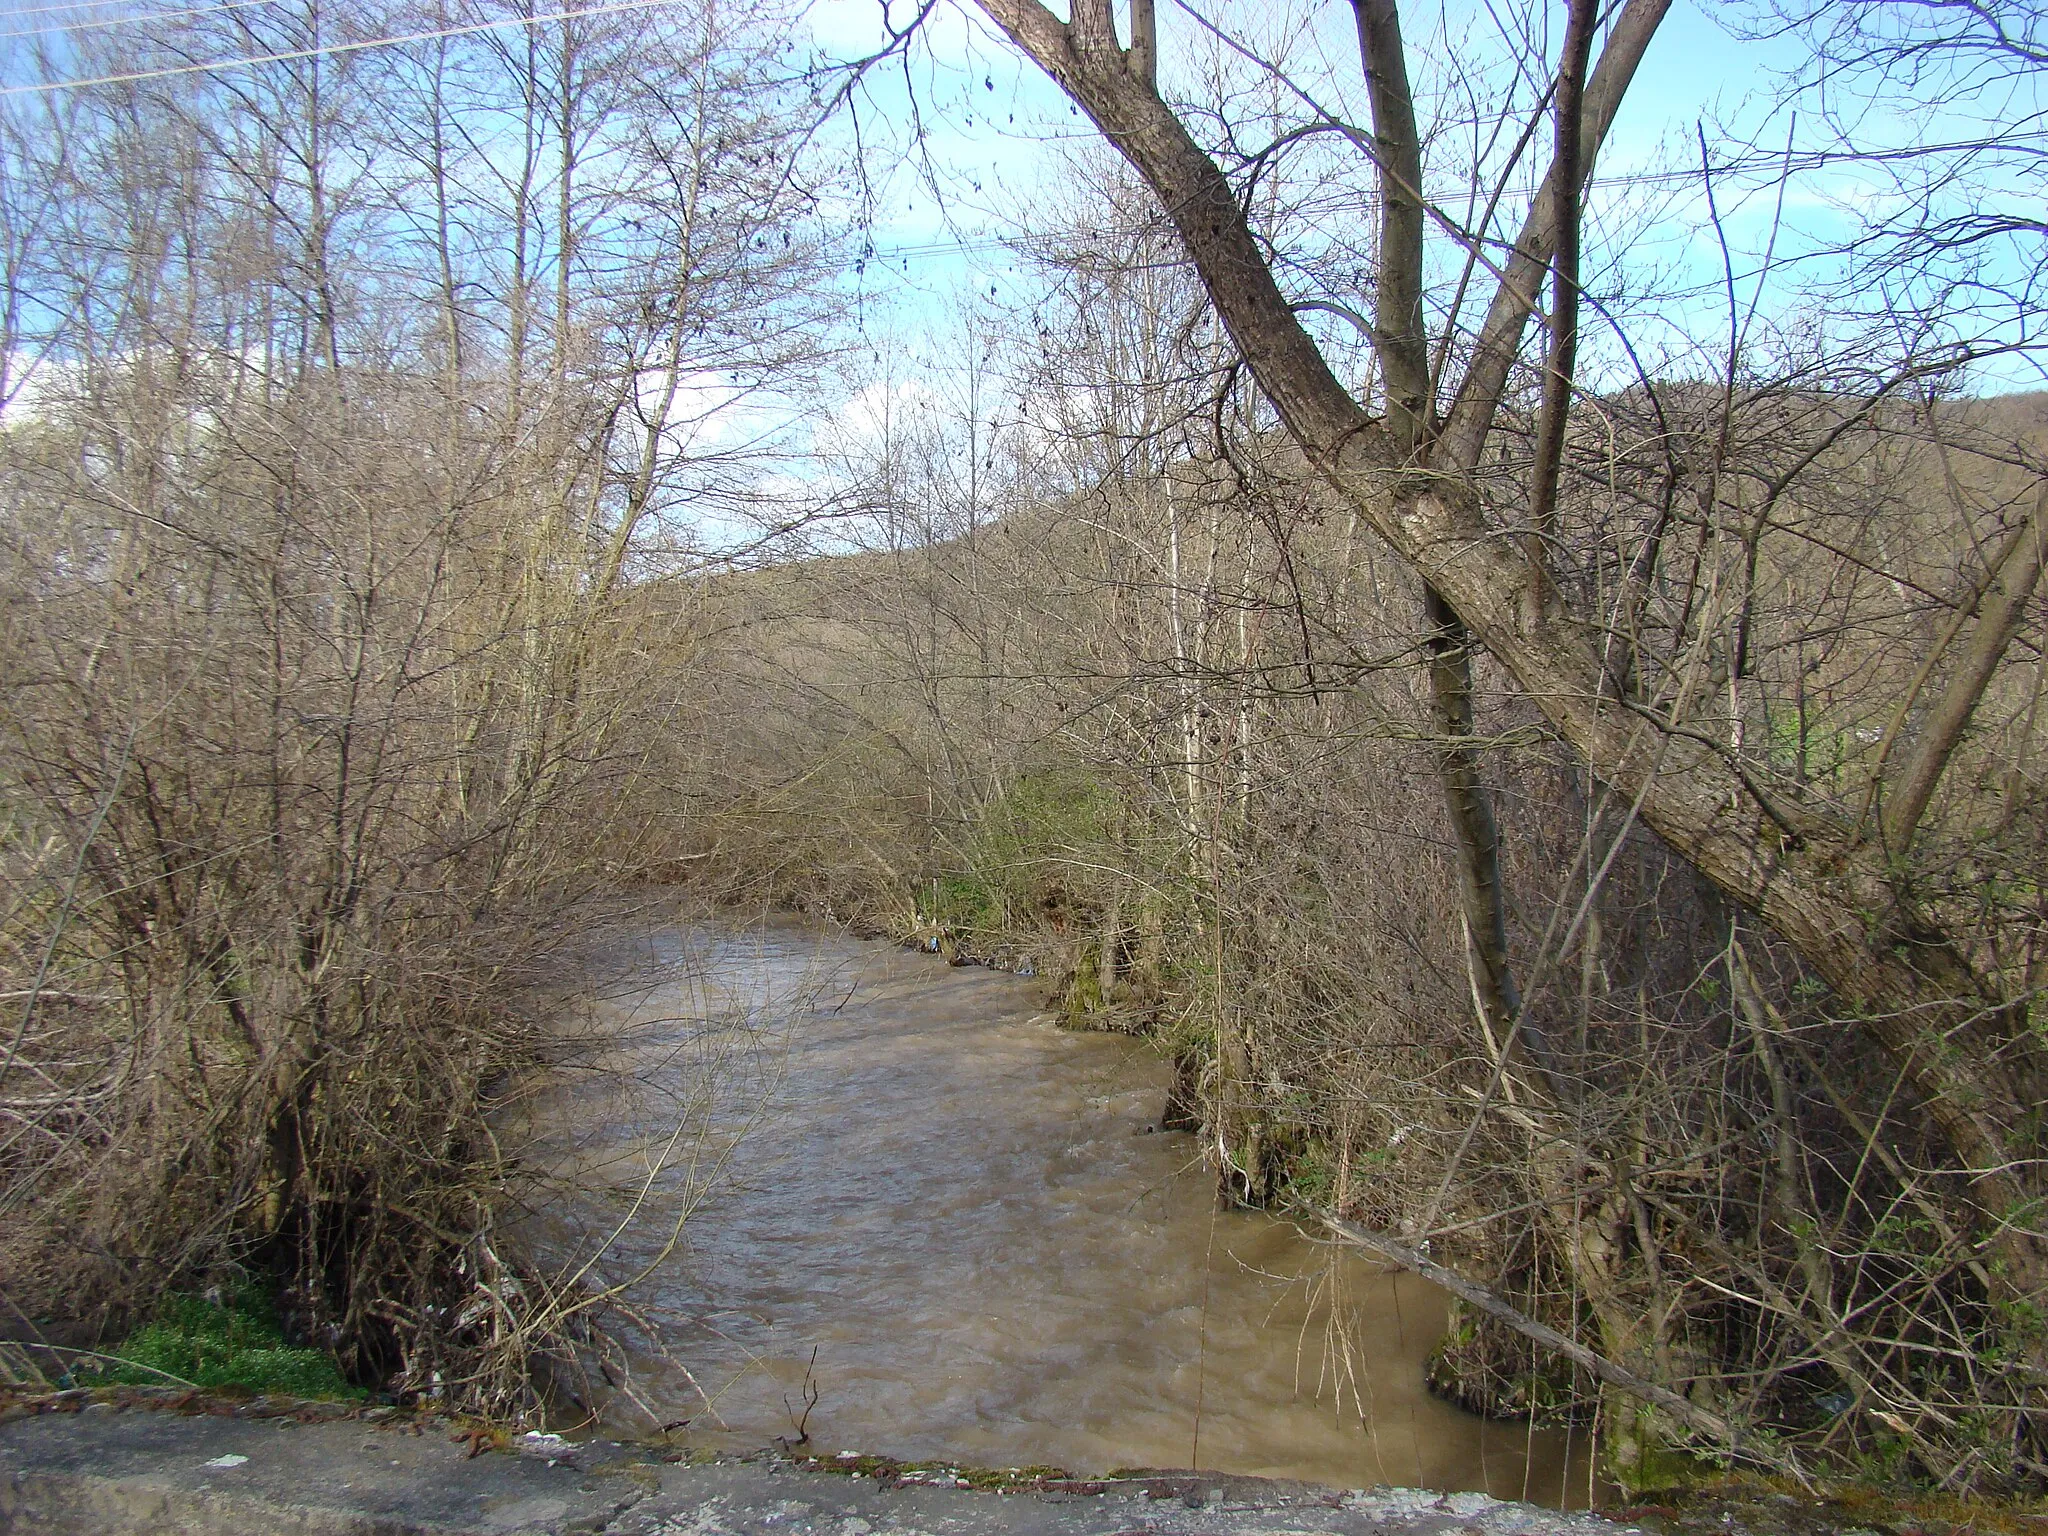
[
  {"x": 35, "y": 384},
  {"x": 864, "y": 428},
  {"x": 706, "y": 410}
]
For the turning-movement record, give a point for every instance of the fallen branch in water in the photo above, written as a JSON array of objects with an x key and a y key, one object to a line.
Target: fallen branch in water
[{"x": 1701, "y": 1420}]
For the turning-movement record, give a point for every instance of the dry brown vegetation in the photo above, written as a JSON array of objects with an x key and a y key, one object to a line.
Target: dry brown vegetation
[
  {"x": 1589, "y": 840},
  {"x": 1153, "y": 715},
  {"x": 331, "y": 679},
  {"x": 1644, "y": 568}
]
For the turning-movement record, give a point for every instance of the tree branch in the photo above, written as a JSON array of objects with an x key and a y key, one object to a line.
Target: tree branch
[
  {"x": 1564, "y": 299},
  {"x": 1699, "y": 1420},
  {"x": 1514, "y": 299},
  {"x": 1144, "y": 53},
  {"x": 2014, "y": 573},
  {"x": 1398, "y": 337}
]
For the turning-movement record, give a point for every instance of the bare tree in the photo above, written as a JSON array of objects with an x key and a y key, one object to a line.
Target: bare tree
[
  {"x": 343, "y": 620},
  {"x": 1437, "y": 471}
]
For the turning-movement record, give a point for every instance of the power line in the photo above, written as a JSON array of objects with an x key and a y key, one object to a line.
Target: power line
[
  {"x": 74, "y": 5},
  {"x": 328, "y": 50},
  {"x": 101, "y": 23}
]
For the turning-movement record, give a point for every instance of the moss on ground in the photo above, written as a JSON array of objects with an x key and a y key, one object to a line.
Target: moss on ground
[
  {"x": 232, "y": 1340},
  {"x": 1769, "y": 1507},
  {"x": 887, "y": 1470}
]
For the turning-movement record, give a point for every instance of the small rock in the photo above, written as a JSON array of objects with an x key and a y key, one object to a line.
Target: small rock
[{"x": 536, "y": 1443}]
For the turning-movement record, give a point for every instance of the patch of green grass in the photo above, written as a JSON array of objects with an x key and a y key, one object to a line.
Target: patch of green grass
[
  {"x": 963, "y": 903},
  {"x": 1032, "y": 844},
  {"x": 234, "y": 1342},
  {"x": 1310, "y": 1175}
]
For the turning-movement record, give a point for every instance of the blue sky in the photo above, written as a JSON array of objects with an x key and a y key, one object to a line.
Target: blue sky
[
  {"x": 999, "y": 133},
  {"x": 972, "y": 138},
  {"x": 997, "y": 138}
]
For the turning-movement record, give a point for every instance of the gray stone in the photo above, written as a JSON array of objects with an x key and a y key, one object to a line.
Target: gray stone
[{"x": 174, "y": 1473}]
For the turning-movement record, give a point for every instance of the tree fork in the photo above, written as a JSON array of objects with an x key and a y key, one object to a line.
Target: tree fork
[{"x": 1832, "y": 899}]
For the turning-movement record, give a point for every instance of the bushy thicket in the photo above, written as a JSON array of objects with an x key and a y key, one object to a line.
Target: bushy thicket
[
  {"x": 1205, "y": 802},
  {"x": 342, "y": 616}
]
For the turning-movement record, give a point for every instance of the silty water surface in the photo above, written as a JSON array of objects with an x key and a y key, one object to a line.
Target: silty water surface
[{"x": 889, "y": 1201}]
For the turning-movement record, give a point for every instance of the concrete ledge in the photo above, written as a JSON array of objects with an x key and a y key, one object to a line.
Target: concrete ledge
[
  {"x": 108, "y": 1470},
  {"x": 111, "y": 1470}
]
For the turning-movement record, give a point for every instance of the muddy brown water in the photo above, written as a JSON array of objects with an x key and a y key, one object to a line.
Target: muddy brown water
[{"x": 885, "y": 1201}]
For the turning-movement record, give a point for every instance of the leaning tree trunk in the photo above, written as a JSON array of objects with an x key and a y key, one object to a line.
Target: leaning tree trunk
[{"x": 1828, "y": 890}]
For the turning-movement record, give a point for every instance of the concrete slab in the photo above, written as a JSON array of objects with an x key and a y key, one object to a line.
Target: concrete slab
[{"x": 110, "y": 1470}]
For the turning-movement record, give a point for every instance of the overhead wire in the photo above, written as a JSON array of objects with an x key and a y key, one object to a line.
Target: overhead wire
[
  {"x": 74, "y": 5},
  {"x": 100, "y": 24},
  {"x": 329, "y": 50}
]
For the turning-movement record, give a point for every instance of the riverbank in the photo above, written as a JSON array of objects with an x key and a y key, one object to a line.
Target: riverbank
[
  {"x": 113, "y": 1463},
  {"x": 137, "y": 1460}
]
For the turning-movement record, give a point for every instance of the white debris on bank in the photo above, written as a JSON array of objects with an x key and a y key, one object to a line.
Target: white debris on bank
[{"x": 1485, "y": 1514}]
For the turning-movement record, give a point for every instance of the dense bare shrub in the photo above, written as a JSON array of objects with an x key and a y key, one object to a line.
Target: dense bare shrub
[{"x": 345, "y": 604}]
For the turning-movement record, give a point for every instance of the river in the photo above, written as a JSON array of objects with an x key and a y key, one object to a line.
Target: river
[{"x": 888, "y": 1202}]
